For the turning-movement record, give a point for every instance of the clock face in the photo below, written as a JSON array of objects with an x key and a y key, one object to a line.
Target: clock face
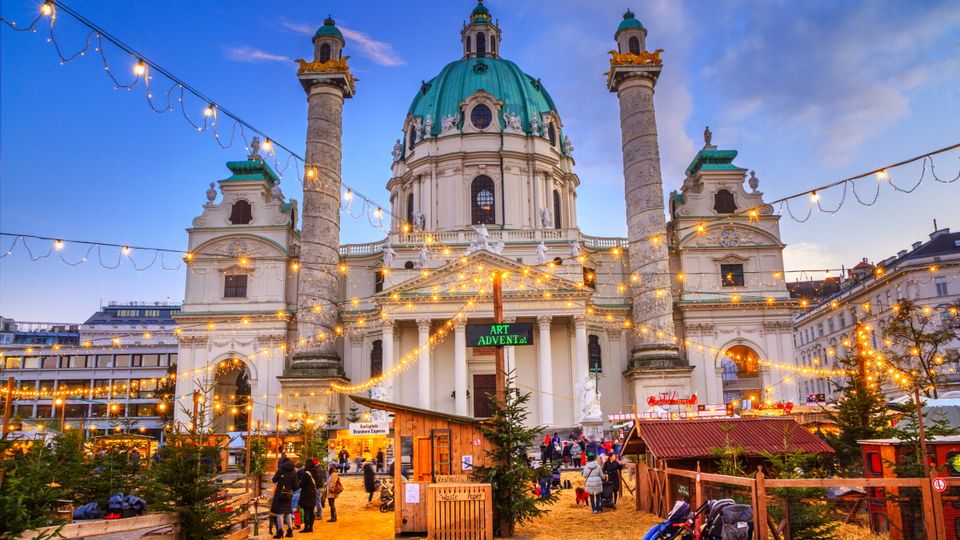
[{"x": 730, "y": 238}]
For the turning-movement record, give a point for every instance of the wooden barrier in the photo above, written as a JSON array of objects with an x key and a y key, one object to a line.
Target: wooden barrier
[{"x": 457, "y": 510}]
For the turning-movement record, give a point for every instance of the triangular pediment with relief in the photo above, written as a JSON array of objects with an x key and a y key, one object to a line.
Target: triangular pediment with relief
[{"x": 470, "y": 274}]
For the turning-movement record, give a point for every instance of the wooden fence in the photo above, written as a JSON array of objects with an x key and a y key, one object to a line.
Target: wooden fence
[
  {"x": 658, "y": 489},
  {"x": 459, "y": 510},
  {"x": 162, "y": 526}
]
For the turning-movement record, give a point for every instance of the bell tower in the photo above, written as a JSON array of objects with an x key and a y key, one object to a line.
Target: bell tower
[
  {"x": 481, "y": 38},
  {"x": 655, "y": 361}
]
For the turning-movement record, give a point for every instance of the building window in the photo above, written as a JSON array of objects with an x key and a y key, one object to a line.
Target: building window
[
  {"x": 830, "y": 324},
  {"x": 593, "y": 354},
  {"x": 482, "y": 201},
  {"x": 128, "y": 313},
  {"x": 634, "y": 45},
  {"x": 552, "y": 134},
  {"x": 376, "y": 359},
  {"x": 241, "y": 213},
  {"x": 412, "y": 137},
  {"x": 481, "y": 116},
  {"x": 493, "y": 45},
  {"x": 410, "y": 209},
  {"x": 325, "y": 52},
  {"x": 723, "y": 202},
  {"x": 941, "y": 284},
  {"x": 50, "y": 362},
  {"x": 378, "y": 281},
  {"x": 820, "y": 329},
  {"x": 590, "y": 277},
  {"x": 235, "y": 286},
  {"x": 151, "y": 313},
  {"x": 843, "y": 321},
  {"x": 732, "y": 275},
  {"x": 481, "y": 45},
  {"x": 556, "y": 209},
  {"x": 468, "y": 45}
]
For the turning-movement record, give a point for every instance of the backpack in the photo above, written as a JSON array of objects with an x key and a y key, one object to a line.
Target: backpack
[{"x": 337, "y": 488}]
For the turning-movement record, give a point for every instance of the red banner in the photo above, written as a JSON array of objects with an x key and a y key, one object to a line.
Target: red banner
[{"x": 654, "y": 401}]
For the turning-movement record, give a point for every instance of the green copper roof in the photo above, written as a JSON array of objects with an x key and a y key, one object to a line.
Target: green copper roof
[
  {"x": 629, "y": 21},
  {"x": 711, "y": 159},
  {"x": 521, "y": 94},
  {"x": 480, "y": 13},
  {"x": 251, "y": 170},
  {"x": 329, "y": 28}
]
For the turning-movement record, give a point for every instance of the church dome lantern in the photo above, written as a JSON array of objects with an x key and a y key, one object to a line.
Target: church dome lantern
[
  {"x": 631, "y": 36},
  {"x": 481, "y": 37},
  {"x": 328, "y": 42}
]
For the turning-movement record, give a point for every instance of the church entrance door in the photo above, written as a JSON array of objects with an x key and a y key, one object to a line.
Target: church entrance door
[{"x": 484, "y": 386}]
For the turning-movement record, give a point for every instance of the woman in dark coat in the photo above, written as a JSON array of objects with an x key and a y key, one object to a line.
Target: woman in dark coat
[
  {"x": 369, "y": 480},
  {"x": 309, "y": 483},
  {"x": 282, "y": 505},
  {"x": 612, "y": 470}
]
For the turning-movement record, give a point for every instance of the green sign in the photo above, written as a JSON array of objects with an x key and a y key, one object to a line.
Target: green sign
[{"x": 499, "y": 335}]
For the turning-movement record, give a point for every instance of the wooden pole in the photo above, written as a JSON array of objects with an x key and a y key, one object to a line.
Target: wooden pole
[
  {"x": 6, "y": 407},
  {"x": 277, "y": 409},
  {"x": 196, "y": 406},
  {"x": 498, "y": 319},
  {"x": 63, "y": 414},
  {"x": 246, "y": 461},
  {"x": 923, "y": 438}
]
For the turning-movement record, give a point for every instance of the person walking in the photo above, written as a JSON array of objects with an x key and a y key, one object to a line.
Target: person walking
[
  {"x": 380, "y": 458},
  {"x": 369, "y": 480},
  {"x": 309, "y": 485},
  {"x": 344, "y": 458},
  {"x": 593, "y": 473},
  {"x": 282, "y": 505},
  {"x": 611, "y": 469},
  {"x": 334, "y": 488}
]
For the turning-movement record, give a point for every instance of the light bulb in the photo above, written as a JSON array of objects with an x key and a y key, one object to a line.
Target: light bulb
[
  {"x": 378, "y": 213},
  {"x": 348, "y": 196},
  {"x": 58, "y": 245},
  {"x": 208, "y": 111},
  {"x": 139, "y": 69},
  {"x": 125, "y": 250},
  {"x": 46, "y": 8},
  {"x": 814, "y": 197},
  {"x": 267, "y": 145}
]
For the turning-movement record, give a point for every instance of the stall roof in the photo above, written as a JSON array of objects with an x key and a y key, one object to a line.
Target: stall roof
[
  {"x": 946, "y": 439},
  {"x": 680, "y": 439},
  {"x": 397, "y": 407}
]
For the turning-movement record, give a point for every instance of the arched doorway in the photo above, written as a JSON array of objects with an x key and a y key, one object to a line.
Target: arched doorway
[
  {"x": 740, "y": 375},
  {"x": 231, "y": 392}
]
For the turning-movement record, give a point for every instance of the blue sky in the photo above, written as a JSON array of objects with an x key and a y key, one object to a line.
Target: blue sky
[{"x": 807, "y": 92}]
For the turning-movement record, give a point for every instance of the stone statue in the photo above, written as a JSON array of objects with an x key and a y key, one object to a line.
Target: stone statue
[
  {"x": 754, "y": 182},
  {"x": 687, "y": 184},
  {"x": 574, "y": 249},
  {"x": 542, "y": 253},
  {"x": 424, "y": 256},
  {"x": 419, "y": 220},
  {"x": 479, "y": 240},
  {"x": 567, "y": 146},
  {"x": 707, "y": 138},
  {"x": 397, "y": 150},
  {"x": 427, "y": 127},
  {"x": 589, "y": 399},
  {"x": 498, "y": 247},
  {"x": 546, "y": 218},
  {"x": 544, "y": 126},
  {"x": 276, "y": 192},
  {"x": 389, "y": 255},
  {"x": 534, "y": 126},
  {"x": 417, "y": 128},
  {"x": 255, "y": 147},
  {"x": 448, "y": 123},
  {"x": 211, "y": 193},
  {"x": 513, "y": 123}
]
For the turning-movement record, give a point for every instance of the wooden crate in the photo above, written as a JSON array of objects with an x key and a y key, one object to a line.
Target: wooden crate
[{"x": 459, "y": 510}]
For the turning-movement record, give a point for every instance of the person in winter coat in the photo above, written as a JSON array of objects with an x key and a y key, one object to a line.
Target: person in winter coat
[
  {"x": 334, "y": 487},
  {"x": 282, "y": 505},
  {"x": 380, "y": 459},
  {"x": 344, "y": 458},
  {"x": 593, "y": 472},
  {"x": 309, "y": 484},
  {"x": 611, "y": 469},
  {"x": 369, "y": 480}
]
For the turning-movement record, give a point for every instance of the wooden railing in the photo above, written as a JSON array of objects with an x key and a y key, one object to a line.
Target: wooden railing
[{"x": 459, "y": 510}]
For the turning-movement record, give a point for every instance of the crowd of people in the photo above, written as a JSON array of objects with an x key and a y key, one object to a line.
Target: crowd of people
[
  {"x": 599, "y": 460},
  {"x": 577, "y": 449}
]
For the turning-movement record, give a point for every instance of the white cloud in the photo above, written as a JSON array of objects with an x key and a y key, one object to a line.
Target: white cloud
[
  {"x": 380, "y": 52},
  {"x": 245, "y": 53},
  {"x": 809, "y": 256}
]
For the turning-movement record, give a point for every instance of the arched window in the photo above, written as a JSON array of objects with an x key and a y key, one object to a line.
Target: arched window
[
  {"x": 593, "y": 354},
  {"x": 481, "y": 44},
  {"x": 740, "y": 373},
  {"x": 634, "y": 45},
  {"x": 723, "y": 202},
  {"x": 493, "y": 45},
  {"x": 325, "y": 52},
  {"x": 376, "y": 358},
  {"x": 410, "y": 209},
  {"x": 556, "y": 209},
  {"x": 552, "y": 134},
  {"x": 482, "y": 203},
  {"x": 468, "y": 45},
  {"x": 481, "y": 116},
  {"x": 241, "y": 213},
  {"x": 411, "y": 137}
]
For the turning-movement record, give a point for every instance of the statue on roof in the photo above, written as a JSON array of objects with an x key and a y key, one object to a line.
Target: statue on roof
[
  {"x": 255, "y": 147},
  {"x": 479, "y": 240},
  {"x": 513, "y": 123},
  {"x": 708, "y": 138},
  {"x": 388, "y": 255},
  {"x": 427, "y": 127},
  {"x": 546, "y": 218},
  {"x": 534, "y": 126},
  {"x": 448, "y": 123},
  {"x": 397, "y": 150},
  {"x": 567, "y": 146},
  {"x": 498, "y": 247},
  {"x": 424, "y": 257},
  {"x": 542, "y": 253},
  {"x": 275, "y": 191},
  {"x": 574, "y": 249}
]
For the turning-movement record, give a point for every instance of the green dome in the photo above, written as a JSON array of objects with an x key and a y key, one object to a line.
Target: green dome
[
  {"x": 480, "y": 13},
  {"x": 629, "y": 21},
  {"x": 521, "y": 94},
  {"x": 329, "y": 28}
]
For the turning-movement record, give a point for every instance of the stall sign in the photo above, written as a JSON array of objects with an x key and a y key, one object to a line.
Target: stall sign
[
  {"x": 654, "y": 401},
  {"x": 499, "y": 334},
  {"x": 364, "y": 429}
]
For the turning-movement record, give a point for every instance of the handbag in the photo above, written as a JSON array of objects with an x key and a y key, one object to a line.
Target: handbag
[
  {"x": 285, "y": 495},
  {"x": 337, "y": 488}
]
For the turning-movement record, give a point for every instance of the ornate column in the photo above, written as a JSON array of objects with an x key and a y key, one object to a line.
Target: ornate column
[
  {"x": 633, "y": 76},
  {"x": 460, "y": 368},
  {"x": 545, "y": 369},
  {"x": 355, "y": 368},
  {"x": 327, "y": 84},
  {"x": 581, "y": 363},
  {"x": 386, "y": 340},
  {"x": 423, "y": 365}
]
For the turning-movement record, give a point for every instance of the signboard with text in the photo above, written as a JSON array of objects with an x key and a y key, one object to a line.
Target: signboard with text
[
  {"x": 364, "y": 429},
  {"x": 499, "y": 334}
]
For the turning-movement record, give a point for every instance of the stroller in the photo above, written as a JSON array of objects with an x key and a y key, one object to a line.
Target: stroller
[
  {"x": 672, "y": 526},
  {"x": 555, "y": 477},
  {"x": 386, "y": 496},
  {"x": 727, "y": 520}
]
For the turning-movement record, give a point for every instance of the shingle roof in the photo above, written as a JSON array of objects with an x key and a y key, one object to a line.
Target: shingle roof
[{"x": 673, "y": 439}]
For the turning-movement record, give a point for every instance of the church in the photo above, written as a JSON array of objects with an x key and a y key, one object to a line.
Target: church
[{"x": 483, "y": 180}]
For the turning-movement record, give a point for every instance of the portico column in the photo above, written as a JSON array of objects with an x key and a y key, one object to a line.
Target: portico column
[
  {"x": 386, "y": 347},
  {"x": 546, "y": 371},
  {"x": 423, "y": 365},
  {"x": 581, "y": 368},
  {"x": 460, "y": 367},
  {"x": 355, "y": 368}
]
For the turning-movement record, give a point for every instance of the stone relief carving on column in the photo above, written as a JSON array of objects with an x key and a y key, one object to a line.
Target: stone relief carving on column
[{"x": 423, "y": 325}]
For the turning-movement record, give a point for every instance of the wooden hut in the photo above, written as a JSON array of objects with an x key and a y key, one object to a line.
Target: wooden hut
[{"x": 429, "y": 447}]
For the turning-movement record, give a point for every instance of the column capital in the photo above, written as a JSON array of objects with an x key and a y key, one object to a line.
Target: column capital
[
  {"x": 544, "y": 321},
  {"x": 388, "y": 324},
  {"x": 509, "y": 320},
  {"x": 423, "y": 325},
  {"x": 459, "y": 325},
  {"x": 580, "y": 321},
  {"x": 356, "y": 338}
]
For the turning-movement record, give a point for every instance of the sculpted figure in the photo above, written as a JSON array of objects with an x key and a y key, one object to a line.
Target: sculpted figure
[
  {"x": 389, "y": 255},
  {"x": 542, "y": 253},
  {"x": 397, "y": 150}
]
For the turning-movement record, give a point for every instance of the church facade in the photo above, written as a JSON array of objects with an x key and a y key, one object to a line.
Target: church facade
[{"x": 483, "y": 180}]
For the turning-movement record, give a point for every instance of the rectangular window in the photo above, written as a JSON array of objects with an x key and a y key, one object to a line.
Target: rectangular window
[
  {"x": 820, "y": 329},
  {"x": 98, "y": 410},
  {"x": 151, "y": 313},
  {"x": 235, "y": 286},
  {"x": 128, "y": 313},
  {"x": 12, "y": 362},
  {"x": 78, "y": 361},
  {"x": 378, "y": 281},
  {"x": 173, "y": 360},
  {"x": 50, "y": 362},
  {"x": 24, "y": 411},
  {"x": 843, "y": 321},
  {"x": 941, "y": 283},
  {"x": 122, "y": 360},
  {"x": 150, "y": 360},
  {"x": 76, "y": 410},
  {"x": 104, "y": 360},
  {"x": 732, "y": 275},
  {"x": 830, "y": 325},
  {"x": 142, "y": 409},
  {"x": 44, "y": 411}
]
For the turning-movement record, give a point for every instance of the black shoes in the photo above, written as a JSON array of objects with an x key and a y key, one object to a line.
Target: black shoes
[{"x": 289, "y": 533}]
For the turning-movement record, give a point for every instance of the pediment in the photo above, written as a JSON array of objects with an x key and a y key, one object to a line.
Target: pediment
[
  {"x": 729, "y": 235},
  {"x": 241, "y": 245}
]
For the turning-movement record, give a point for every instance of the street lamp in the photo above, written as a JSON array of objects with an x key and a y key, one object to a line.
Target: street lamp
[{"x": 62, "y": 403}]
